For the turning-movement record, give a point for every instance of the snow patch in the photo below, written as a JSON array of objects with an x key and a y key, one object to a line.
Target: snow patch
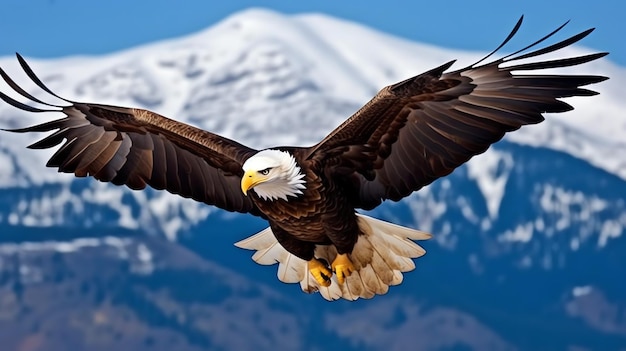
[
  {"x": 578, "y": 291},
  {"x": 610, "y": 230},
  {"x": 466, "y": 209},
  {"x": 100, "y": 193},
  {"x": 144, "y": 264},
  {"x": 63, "y": 246},
  {"x": 491, "y": 171},
  {"x": 428, "y": 209},
  {"x": 47, "y": 210},
  {"x": 522, "y": 233},
  {"x": 7, "y": 171},
  {"x": 564, "y": 208}
]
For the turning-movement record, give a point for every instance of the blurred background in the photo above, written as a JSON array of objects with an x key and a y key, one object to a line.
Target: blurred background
[{"x": 528, "y": 248}]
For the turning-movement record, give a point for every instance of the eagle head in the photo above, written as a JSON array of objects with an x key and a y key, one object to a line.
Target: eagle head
[{"x": 272, "y": 174}]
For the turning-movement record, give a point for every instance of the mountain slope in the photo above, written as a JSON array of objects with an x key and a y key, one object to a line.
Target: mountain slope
[{"x": 527, "y": 240}]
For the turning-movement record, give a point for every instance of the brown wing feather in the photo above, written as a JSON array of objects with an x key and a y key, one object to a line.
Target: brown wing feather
[
  {"x": 420, "y": 129},
  {"x": 135, "y": 147}
]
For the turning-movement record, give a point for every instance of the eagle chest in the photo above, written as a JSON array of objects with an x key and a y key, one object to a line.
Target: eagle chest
[{"x": 313, "y": 216}]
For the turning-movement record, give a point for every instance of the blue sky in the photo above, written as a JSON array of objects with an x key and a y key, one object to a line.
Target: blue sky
[{"x": 53, "y": 28}]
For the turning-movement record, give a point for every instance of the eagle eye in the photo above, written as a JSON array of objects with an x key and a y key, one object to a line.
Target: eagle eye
[{"x": 265, "y": 171}]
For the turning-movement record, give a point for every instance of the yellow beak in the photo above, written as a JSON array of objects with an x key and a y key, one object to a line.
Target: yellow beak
[{"x": 250, "y": 180}]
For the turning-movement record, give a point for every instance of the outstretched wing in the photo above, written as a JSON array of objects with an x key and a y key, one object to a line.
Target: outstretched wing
[
  {"x": 420, "y": 129},
  {"x": 137, "y": 147}
]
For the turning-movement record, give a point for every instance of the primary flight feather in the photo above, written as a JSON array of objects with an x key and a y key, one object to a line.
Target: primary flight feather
[{"x": 407, "y": 136}]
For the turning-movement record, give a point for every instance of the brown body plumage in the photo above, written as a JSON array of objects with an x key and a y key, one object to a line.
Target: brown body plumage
[
  {"x": 408, "y": 135},
  {"x": 314, "y": 218}
]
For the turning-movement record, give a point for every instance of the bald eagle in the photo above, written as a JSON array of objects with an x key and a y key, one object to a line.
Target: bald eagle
[{"x": 410, "y": 134}]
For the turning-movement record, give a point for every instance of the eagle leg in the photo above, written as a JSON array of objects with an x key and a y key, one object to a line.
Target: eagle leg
[
  {"x": 343, "y": 267},
  {"x": 320, "y": 272}
]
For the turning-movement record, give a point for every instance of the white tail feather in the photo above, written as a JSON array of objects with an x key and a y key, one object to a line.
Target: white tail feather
[
  {"x": 382, "y": 253},
  {"x": 258, "y": 241}
]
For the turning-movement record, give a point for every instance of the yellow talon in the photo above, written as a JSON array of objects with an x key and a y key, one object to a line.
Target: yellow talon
[
  {"x": 320, "y": 272},
  {"x": 343, "y": 267}
]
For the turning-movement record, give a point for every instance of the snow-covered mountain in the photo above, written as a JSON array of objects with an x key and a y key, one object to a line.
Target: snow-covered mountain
[{"x": 527, "y": 236}]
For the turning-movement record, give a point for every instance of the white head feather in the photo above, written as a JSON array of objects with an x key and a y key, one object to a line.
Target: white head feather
[{"x": 284, "y": 178}]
